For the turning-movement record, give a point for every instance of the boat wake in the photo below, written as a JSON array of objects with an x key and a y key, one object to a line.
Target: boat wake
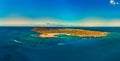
[{"x": 17, "y": 41}]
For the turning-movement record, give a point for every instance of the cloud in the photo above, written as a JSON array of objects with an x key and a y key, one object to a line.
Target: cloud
[{"x": 113, "y": 2}]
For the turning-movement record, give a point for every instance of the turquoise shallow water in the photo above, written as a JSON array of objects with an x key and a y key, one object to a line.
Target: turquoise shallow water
[{"x": 22, "y": 44}]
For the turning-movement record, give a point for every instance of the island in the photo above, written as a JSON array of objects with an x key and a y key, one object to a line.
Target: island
[{"x": 49, "y": 33}]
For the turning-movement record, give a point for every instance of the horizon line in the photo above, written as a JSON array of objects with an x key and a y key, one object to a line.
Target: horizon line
[{"x": 59, "y": 26}]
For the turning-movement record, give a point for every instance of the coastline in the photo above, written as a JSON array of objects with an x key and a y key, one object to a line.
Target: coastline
[{"x": 50, "y": 33}]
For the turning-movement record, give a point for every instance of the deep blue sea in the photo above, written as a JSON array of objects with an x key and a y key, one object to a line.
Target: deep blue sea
[{"x": 22, "y": 44}]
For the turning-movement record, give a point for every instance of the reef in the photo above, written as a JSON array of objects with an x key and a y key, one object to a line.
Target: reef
[{"x": 48, "y": 33}]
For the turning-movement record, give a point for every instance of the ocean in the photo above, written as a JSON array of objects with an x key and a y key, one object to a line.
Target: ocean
[{"x": 22, "y": 44}]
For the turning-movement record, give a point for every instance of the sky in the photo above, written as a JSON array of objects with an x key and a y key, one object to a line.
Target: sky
[{"x": 60, "y": 12}]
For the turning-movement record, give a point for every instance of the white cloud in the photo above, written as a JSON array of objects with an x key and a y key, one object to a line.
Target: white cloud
[{"x": 113, "y": 2}]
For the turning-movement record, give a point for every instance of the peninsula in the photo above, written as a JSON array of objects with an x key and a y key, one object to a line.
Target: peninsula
[{"x": 46, "y": 33}]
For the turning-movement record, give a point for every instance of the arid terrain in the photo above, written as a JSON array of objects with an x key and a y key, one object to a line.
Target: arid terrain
[{"x": 44, "y": 32}]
